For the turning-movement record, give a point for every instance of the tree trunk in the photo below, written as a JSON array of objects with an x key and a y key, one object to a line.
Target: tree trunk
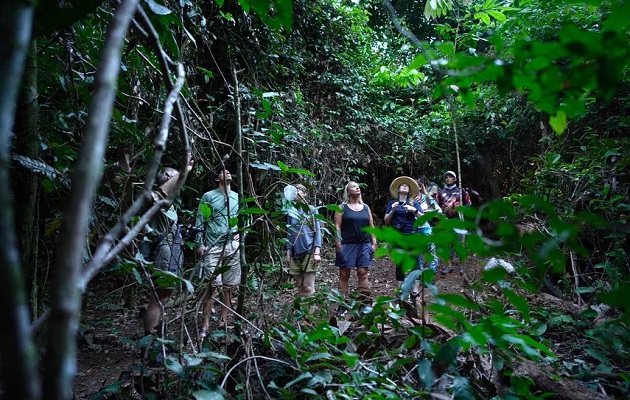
[
  {"x": 60, "y": 362},
  {"x": 27, "y": 183},
  {"x": 19, "y": 360}
]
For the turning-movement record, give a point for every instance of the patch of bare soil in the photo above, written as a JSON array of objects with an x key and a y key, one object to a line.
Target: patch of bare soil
[{"x": 105, "y": 351}]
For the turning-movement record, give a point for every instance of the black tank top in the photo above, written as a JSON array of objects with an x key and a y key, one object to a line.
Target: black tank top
[{"x": 351, "y": 224}]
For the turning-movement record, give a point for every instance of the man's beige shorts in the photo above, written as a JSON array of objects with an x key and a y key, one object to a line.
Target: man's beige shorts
[
  {"x": 300, "y": 266},
  {"x": 226, "y": 262}
]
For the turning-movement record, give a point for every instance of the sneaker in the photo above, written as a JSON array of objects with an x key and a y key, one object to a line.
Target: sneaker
[{"x": 341, "y": 312}]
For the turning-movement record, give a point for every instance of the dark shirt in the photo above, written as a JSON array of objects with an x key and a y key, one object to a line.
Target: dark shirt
[
  {"x": 450, "y": 197},
  {"x": 352, "y": 224},
  {"x": 403, "y": 220}
]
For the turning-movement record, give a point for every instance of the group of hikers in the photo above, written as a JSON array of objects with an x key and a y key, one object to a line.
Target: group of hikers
[{"x": 218, "y": 238}]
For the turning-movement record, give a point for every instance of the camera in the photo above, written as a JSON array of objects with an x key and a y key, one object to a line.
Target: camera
[{"x": 189, "y": 231}]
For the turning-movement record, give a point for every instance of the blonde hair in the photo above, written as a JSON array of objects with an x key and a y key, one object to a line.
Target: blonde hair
[{"x": 345, "y": 193}]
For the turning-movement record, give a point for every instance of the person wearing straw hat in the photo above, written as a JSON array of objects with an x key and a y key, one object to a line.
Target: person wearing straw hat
[
  {"x": 401, "y": 213},
  {"x": 305, "y": 242},
  {"x": 450, "y": 197}
]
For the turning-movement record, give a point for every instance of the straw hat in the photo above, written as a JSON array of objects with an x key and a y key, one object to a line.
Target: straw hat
[{"x": 414, "y": 189}]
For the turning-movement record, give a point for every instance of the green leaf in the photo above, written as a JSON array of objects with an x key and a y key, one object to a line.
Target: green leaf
[
  {"x": 519, "y": 302},
  {"x": 305, "y": 375},
  {"x": 320, "y": 379},
  {"x": 157, "y": 8},
  {"x": 291, "y": 350},
  {"x": 254, "y": 210},
  {"x": 485, "y": 18},
  {"x": 617, "y": 298},
  {"x": 214, "y": 356},
  {"x": 558, "y": 122},
  {"x": 174, "y": 365},
  {"x": 498, "y": 15},
  {"x": 580, "y": 290},
  {"x": 283, "y": 166},
  {"x": 284, "y": 12},
  {"x": 350, "y": 358},
  {"x": 205, "y": 209},
  {"x": 448, "y": 352},
  {"x": 425, "y": 373},
  {"x": 462, "y": 389},
  {"x": 208, "y": 395},
  {"x": 319, "y": 356},
  {"x": 418, "y": 61},
  {"x": 447, "y": 48},
  {"x": 136, "y": 275},
  {"x": 459, "y": 301}
]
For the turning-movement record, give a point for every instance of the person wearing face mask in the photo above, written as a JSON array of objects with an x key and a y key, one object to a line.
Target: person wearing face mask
[
  {"x": 450, "y": 197},
  {"x": 401, "y": 213}
]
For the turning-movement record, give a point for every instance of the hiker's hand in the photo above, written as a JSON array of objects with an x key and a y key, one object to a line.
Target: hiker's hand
[
  {"x": 317, "y": 258},
  {"x": 201, "y": 250}
]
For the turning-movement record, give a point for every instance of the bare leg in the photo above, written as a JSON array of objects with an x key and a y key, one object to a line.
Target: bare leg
[
  {"x": 208, "y": 307},
  {"x": 363, "y": 285},
  {"x": 226, "y": 299},
  {"x": 307, "y": 288},
  {"x": 155, "y": 309},
  {"x": 298, "y": 279},
  {"x": 344, "y": 277}
]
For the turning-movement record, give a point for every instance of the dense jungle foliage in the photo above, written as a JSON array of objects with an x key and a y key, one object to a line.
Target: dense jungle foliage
[{"x": 526, "y": 100}]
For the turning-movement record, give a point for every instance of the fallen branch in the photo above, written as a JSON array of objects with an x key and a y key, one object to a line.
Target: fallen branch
[{"x": 564, "y": 389}]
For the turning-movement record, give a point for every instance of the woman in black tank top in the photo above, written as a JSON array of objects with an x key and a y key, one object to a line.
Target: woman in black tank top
[{"x": 355, "y": 248}]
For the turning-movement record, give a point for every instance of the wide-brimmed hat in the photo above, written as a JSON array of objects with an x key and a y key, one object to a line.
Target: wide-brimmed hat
[
  {"x": 451, "y": 173},
  {"x": 414, "y": 189}
]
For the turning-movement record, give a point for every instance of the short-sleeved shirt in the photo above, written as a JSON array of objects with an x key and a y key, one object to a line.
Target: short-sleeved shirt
[
  {"x": 217, "y": 226},
  {"x": 402, "y": 220},
  {"x": 352, "y": 224}
]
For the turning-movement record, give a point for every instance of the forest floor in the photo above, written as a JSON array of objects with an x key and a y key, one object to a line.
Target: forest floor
[{"x": 108, "y": 330}]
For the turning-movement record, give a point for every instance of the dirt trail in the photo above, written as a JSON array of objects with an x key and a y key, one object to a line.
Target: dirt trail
[{"x": 103, "y": 355}]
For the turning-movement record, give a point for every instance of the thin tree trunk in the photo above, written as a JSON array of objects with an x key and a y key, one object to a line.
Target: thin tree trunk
[
  {"x": 60, "y": 363},
  {"x": 19, "y": 356},
  {"x": 239, "y": 150},
  {"x": 27, "y": 183}
]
